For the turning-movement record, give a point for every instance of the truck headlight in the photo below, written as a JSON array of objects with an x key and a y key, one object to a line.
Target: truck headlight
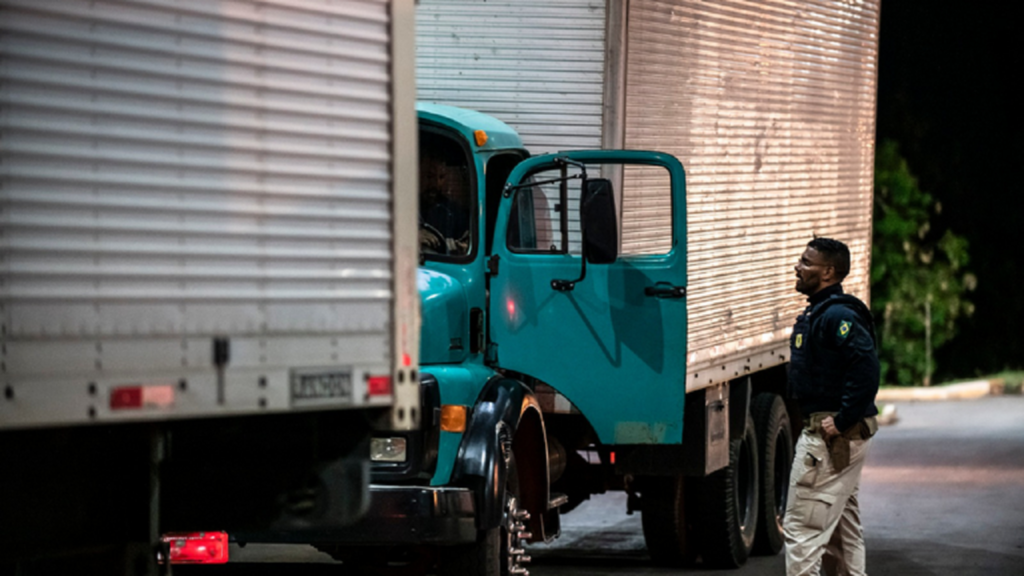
[{"x": 387, "y": 449}]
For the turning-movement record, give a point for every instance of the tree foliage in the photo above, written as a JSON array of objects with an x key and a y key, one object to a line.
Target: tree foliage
[{"x": 915, "y": 272}]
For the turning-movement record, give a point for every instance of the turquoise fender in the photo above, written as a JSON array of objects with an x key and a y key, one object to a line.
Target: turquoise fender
[{"x": 503, "y": 408}]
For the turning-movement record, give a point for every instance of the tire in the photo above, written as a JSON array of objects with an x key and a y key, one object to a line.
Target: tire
[
  {"x": 775, "y": 455},
  {"x": 498, "y": 550},
  {"x": 728, "y": 517},
  {"x": 663, "y": 505}
]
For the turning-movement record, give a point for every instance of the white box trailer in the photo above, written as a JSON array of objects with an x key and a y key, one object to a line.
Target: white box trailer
[
  {"x": 208, "y": 229},
  {"x": 769, "y": 105}
]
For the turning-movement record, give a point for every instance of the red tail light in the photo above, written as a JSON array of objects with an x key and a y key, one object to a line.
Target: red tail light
[
  {"x": 378, "y": 385},
  {"x": 141, "y": 396},
  {"x": 198, "y": 547}
]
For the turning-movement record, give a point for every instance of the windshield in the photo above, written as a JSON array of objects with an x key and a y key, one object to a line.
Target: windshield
[{"x": 445, "y": 197}]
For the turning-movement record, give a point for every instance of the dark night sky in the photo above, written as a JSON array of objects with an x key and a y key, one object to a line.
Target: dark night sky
[{"x": 948, "y": 94}]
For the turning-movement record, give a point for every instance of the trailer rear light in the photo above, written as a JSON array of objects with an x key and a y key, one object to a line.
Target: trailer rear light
[
  {"x": 453, "y": 418},
  {"x": 378, "y": 385},
  {"x": 388, "y": 449},
  {"x": 138, "y": 396},
  {"x": 197, "y": 547}
]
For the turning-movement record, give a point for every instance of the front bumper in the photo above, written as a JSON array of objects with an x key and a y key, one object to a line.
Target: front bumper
[
  {"x": 401, "y": 515},
  {"x": 416, "y": 514}
]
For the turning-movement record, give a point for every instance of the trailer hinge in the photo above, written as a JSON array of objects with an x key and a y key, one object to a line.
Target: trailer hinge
[{"x": 492, "y": 265}]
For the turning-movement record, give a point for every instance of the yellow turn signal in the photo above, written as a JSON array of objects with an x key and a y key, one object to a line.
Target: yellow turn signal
[
  {"x": 453, "y": 418},
  {"x": 481, "y": 137}
]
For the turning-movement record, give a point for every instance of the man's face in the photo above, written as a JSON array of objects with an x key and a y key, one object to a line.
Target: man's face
[{"x": 813, "y": 272}]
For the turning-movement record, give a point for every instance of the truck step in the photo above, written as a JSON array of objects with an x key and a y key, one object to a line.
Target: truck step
[{"x": 557, "y": 499}]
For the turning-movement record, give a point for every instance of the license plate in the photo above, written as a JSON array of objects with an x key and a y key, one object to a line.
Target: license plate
[{"x": 318, "y": 387}]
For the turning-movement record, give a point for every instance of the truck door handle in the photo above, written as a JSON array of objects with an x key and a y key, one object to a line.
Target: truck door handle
[{"x": 665, "y": 290}]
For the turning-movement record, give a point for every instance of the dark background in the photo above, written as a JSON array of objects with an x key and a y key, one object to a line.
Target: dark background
[{"x": 949, "y": 93}]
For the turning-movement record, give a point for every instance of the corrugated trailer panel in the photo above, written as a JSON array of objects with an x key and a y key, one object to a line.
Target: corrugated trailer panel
[
  {"x": 178, "y": 171},
  {"x": 537, "y": 65},
  {"x": 771, "y": 107}
]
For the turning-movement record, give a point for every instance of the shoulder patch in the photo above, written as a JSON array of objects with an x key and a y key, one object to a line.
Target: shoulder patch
[
  {"x": 799, "y": 340},
  {"x": 844, "y": 328}
]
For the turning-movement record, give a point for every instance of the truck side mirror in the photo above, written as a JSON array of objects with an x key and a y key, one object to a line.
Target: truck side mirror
[
  {"x": 599, "y": 221},
  {"x": 599, "y": 226}
]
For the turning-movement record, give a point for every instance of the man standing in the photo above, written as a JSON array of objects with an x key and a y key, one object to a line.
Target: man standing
[{"x": 833, "y": 376}]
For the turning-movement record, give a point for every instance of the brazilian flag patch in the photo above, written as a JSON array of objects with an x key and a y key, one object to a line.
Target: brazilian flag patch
[
  {"x": 799, "y": 340},
  {"x": 844, "y": 329}
]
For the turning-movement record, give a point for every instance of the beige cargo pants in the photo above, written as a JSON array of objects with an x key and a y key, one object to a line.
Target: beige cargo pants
[{"x": 822, "y": 508}]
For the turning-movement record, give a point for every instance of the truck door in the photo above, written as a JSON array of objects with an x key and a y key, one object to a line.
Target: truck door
[{"x": 615, "y": 342}]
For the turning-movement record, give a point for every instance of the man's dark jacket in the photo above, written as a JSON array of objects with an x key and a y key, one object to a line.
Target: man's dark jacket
[{"x": 833, "y": 364}]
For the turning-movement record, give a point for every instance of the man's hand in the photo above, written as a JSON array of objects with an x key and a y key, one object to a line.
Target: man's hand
[
  {"x": 828, "y": 426},
  {"x": 460, "y": 246},
  {"x": 430, "y": 240}
]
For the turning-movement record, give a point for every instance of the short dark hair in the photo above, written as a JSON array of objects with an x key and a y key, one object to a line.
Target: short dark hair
[{"x": 835, "y": 252}]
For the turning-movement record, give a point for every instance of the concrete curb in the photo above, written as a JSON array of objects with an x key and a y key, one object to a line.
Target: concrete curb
[
  {"x": 887, "y": 416},
  {"x": 962, "y": 391}
]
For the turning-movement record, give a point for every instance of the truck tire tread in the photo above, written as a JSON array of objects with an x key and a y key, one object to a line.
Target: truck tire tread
[
  {"x": 663, "y": 506},
  {"x": 774, "y": 434},
  {"x": 726, "y": 538}
]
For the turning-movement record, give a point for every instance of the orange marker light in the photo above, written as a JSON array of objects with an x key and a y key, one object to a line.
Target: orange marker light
[
  {"x": 481, "y": 137},
  {"x": 453, "y": 418}
]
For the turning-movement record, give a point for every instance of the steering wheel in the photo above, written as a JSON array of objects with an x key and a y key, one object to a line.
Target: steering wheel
[{"x": 442, "y": 242}]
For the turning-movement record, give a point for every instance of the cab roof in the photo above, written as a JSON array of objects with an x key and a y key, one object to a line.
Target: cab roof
[{"x": 499, "y": 135}]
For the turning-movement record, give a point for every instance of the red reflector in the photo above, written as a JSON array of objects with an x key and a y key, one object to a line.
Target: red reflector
[
  {"x": 612, "y": 458},
  {"x": 406, "y": 360},
  {"x": 126, "y": 397},
  {"x": 152, "y": 396},
  {"x": 378, "y": 385},
  {"x": 198, "y": 547}
]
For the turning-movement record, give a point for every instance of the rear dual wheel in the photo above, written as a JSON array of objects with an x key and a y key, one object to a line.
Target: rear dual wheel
[
  {"x": 713, "y": 517},
  {"x": 728, "y": 507},
  {"x": 663, "y": 509},
  {"x": 775, "y": 437}
]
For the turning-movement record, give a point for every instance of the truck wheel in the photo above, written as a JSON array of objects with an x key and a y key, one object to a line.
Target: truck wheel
[
  {"x": 498, "y": 551},
  {"x": 775, "y": 452},
  {"x": 663, "y": 506},
  {"x": 728, "y": 518}
]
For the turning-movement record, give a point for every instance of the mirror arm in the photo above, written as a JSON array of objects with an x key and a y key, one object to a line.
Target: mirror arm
[{"x": 568, "y": 285}]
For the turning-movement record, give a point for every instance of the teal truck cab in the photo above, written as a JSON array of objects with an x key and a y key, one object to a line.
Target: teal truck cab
[{"x": 553, "y": 366}]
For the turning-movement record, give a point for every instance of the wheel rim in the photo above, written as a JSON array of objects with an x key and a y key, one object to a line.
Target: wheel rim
[
  {"x": 516, "y": 536},
  {"x": 745, "y": 485}
]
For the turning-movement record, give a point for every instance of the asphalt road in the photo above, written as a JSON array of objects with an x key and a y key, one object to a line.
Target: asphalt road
[{"x": 942, "y": 494}]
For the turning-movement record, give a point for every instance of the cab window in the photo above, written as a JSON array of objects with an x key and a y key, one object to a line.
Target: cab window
[
  {"x": 498, "y": 169},
  {"x": 446, "y": 198}
]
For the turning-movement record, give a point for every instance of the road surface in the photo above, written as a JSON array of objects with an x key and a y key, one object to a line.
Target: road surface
[{"x": 942, "y": 495}]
